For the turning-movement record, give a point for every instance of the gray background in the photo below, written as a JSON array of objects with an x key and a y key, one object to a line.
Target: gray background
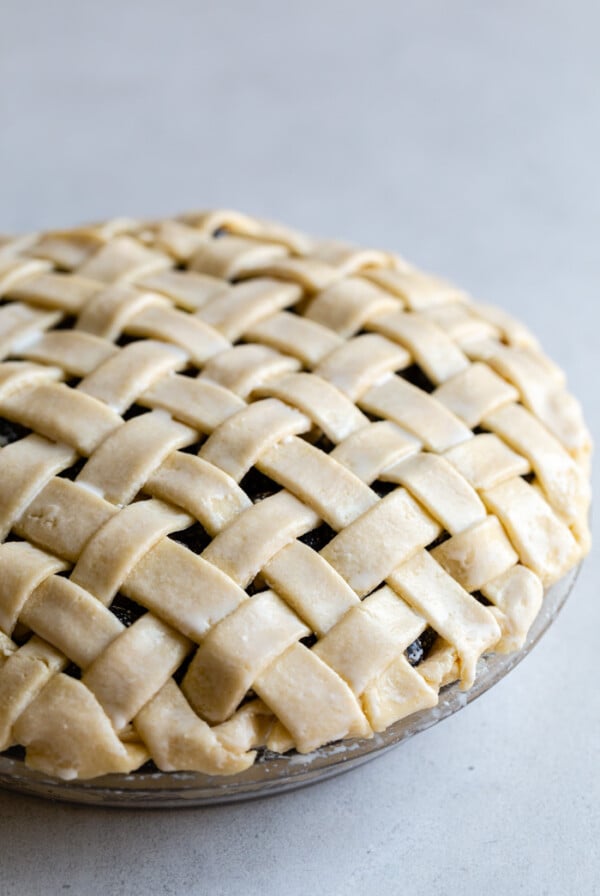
[{"x": 463, "y": 134}]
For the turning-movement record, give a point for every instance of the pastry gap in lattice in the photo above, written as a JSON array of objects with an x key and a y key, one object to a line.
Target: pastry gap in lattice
[
  {"x": 258, "y": 486},
  {"x": 421, "y": 647},
  {"x": 74, "y": 470},
  {"x": 319, "y": 537},
  {"x": 481, "y": 598},
  {"x": 21, "y": 634},
  {"x": 179, "y": 673},
  {"x": 372, "y": 418},
  {"x": 298, "y": 307},
  {"x": 294, "y": 309},
  {"x": 17, "y": 752},
  {"x": 65, "y": 323},
  {"x": 309, "y": 641},
  {"x": 415, "y": 375},
  {"x": 73, "y": 671},
  {"x": 194, "y": 537},
  {"x": 442, "y": 537},
  {"x": 382, "y": 488},
  {"x": 135, "y": 410},
  {"x": 127, "y": 611},
  {"x": 257, "y": 585},
  {"x": 125, "y": 339},
  {"x": 194, "y": 448},
  {"x": 317, "y": 439},
  {"x": 191, "y": 371},
  {"x": 11, "y": 432}
]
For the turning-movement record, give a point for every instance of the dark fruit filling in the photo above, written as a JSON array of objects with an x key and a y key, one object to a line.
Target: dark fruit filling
[
  {"x": 73, "y": 671},
  {"x": 382, "y": 488},
  {"x": 11, "y": 432},
  {"x": 309, "y": 641},
  {"x": 126, "y": 611},
  {"x": 135, "y": 411},
  {"x": 319, "y": 537},
  {"x": 442, "y": 537},
  {"x": 419, "y": 650},
  {"x": 415, "y": 375},
  {"x": 258, "y": 486},
  {"x": 73, "y": 472},
  {"x": 195, "y": 537}
]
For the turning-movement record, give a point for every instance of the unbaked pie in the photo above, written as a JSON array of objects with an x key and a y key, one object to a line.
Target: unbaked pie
[{"x": 259, "y": 490}]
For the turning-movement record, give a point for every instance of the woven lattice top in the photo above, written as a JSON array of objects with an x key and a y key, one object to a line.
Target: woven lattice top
[{"x": 259, "y": 489}]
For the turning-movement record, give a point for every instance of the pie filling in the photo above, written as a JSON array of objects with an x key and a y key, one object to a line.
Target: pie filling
[{"x": 260, "y": 492}]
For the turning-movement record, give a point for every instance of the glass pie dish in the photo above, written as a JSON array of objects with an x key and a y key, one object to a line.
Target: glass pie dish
[
  {"x": 260, "y": 492},
  {"x": 273, "y": 774}
]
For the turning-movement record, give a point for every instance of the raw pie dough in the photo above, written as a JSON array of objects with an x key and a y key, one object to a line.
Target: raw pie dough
[{"x": 260, "y": 489}]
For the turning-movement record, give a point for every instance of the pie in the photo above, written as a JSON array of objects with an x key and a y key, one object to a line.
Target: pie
[{"x": 260, "y": 491}]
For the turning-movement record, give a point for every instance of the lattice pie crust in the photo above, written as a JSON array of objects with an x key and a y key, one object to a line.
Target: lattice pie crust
[{"x": 259, "y": 489}]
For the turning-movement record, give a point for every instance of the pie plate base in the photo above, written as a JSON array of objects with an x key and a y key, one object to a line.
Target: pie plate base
[{"x": 272, "y": 773}]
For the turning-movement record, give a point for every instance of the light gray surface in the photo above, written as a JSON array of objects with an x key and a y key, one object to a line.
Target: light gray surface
[{"x": 464, "y": 135}]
